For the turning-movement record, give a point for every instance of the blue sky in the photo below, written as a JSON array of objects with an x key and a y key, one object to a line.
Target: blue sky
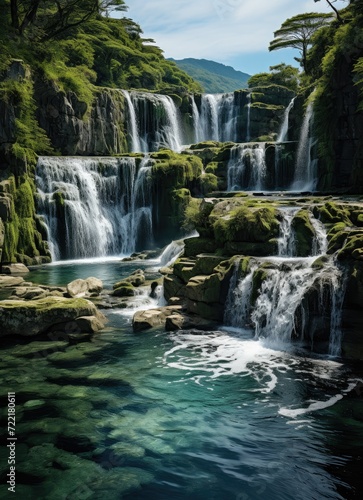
[{"x": 233, "y": 32}]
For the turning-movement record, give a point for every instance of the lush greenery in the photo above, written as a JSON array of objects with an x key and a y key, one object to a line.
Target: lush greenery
[
  {"x": 281, "y": 74},
  {"x": 297, "y": 33},
  {"x": 79, "y": 47},
  {"x": 213, "y": 77}
]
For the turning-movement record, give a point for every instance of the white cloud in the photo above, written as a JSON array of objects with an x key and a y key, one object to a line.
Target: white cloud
[{"x": 219, "y": 30}]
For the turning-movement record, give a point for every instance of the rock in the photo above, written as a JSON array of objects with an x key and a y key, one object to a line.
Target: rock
[
  {"x": 11, "y": 281},
  {"x": 124, "y": 289},
  {"x": 90, "y": 324},
  {"x": 137, "y": 278},
  {"x": 183, "y": 321},
  {"x": 30, "y": 293},
  {"x": 17, "y": 268},
  {"x": 82, "y": 288},
  {"x": 95, "y": 285},
  {"x": 38, "y": 316},
  {"x": 144, "y": 320}
]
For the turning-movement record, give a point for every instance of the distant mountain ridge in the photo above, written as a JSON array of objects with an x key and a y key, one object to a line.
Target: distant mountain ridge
[{"x": 213, "y": 76}]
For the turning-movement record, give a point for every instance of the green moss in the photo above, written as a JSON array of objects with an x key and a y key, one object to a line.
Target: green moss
[
  {"x": 24, "y": 200},
  {"x": 247, "y": 225},
  {"x": 353, "y": 247},
  {"x": 259, "y": 276},
  {"x": 124, "y": 289},
  {"x": 332, "y": 213},
  {"x": 304, "y": 233},
  {"x": 206, "y": 144},
  {"x": 208, "y": 183},
  {"x": 197, "y": 245}
]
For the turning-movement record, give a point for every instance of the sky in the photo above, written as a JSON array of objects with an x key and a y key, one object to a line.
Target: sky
[{"x": 233, "y": 32}]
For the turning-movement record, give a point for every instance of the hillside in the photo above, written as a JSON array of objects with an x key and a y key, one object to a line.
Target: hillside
[{"x": 214, "y": 77}]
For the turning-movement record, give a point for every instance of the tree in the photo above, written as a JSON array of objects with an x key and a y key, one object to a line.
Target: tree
[
  {"x": 52, "y": 18},
  {"x": 297, "y": 32},
  {"x": 281, "y": 74},
  {"x": 330, "y": 3}
]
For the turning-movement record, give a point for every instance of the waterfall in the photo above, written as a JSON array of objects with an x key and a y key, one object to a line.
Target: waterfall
[
  {"x": 104, "y": 205},
  {"x": 286, "y": 240},
  {"x": 217, "y": 118},
  {"x": 238, "y": 303},
  {"x": 282, "y": 293},
  {"x": 133, "y": 127},
  {"x": 320, "y": 241},
  {"x": 282, "y": 136},
  {"x": 305, "y": 170},
  {"x": 198, "y": 137},
  {"x": 279, "y": 311},
  {"x": 294, "y": 299},
  {"x": 246, "y": 167},
  {"x": 248, "y": 129},
  {"x": 153, "y": 122}
]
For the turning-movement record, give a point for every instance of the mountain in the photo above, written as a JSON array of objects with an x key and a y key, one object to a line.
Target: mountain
[{"x": 214, "y": 77}]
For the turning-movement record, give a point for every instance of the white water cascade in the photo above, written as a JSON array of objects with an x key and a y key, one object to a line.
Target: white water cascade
[
  {"x": 217, "y": 118},
  {"x": 305, "y": 171},
  {"x": 246, "y": 168},
  {"x": 153, "y": 122},
  {"x": 282, "y": 136},
  {"x": 248, "y": 129},
  {"x": 286, "y": 240},
  {"x": 104, "y": 205},
  {"x": 295, "y": 298}
]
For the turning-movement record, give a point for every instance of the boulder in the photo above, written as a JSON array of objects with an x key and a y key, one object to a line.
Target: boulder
[
  {"x": 151, "y": 318},
  {"x": 124, "y": 289},
  {"x": 11, "y": 281},
  {"x": 137, "y": 278},
  {"x": 33, "y": 317},
  {"x": 183, "y": 321},
  {"x": 17, "y": 268},
  {"x": 81, "y": 288}
]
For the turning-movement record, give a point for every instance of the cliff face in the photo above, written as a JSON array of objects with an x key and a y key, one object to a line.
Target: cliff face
[
  {"x": 74, "y": 130},
  {"x": 338, "y": 105}
]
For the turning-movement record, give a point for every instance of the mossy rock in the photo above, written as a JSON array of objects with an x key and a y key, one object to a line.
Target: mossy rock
[
  {"x": 184, "y": 269},
  {"x": 353, "y": 247},
  {"x": 208, "y": 183},
  {"x": 33, "y": 317},
  {"x": 124, "y": 289},
  {"x": 337, "y": 237},
  {"x": 304, "y": 233},
  {"x": 259, "y": 276},
  {"x": 331, "y": 213},
  {"x": 246, "y": 224},
  {"x": 255, "y": 249},
  {"x": 206, "y": 144},
  {"x": 207, "y": 263},
  {"x": 197, "y": 245}
]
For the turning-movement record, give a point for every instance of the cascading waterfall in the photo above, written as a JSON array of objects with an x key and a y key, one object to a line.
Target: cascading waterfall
[
  {"x": 286, "y": 240},
  {"x": 305, "y": 171},
  {"x": 104, "y": 205},
  {"x": 153, "y": 122},
  {"x": 246, "y": 167},
  {"x": 282, "y": 136},
  {"x": 279, "y": 311},
  {"x": 217, "y": 118},
  {"x": 248, "y": 129},
  {"x": 238, "y": 304}
]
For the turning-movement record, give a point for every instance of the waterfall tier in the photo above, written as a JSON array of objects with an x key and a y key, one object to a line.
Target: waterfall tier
[
  {"x": 95, "y": 207},
  {"x": 294, "y": 300}
]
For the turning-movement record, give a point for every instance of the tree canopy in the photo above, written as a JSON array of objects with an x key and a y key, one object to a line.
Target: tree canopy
[{"x": 297, "y": 32}]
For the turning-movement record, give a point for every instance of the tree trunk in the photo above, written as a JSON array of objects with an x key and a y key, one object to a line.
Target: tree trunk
[{"x": 14, "y": 14}]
